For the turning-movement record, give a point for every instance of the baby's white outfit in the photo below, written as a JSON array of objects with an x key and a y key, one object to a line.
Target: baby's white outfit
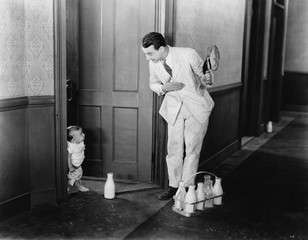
[{"x": 77, "y": 151}]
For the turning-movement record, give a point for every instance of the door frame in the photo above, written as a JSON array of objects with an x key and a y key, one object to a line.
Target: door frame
[
  {"x": 164, "y": 24},
  {"x": 276, "y": 57},
  {"x": 262, "y": 96},
  {"x": 253, "y": 84},
  {"x": 245, "y": 66},
  {"x": 60, "y": 99}
]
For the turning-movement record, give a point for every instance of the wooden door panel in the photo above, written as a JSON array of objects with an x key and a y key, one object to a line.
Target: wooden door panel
[
  {"x": 126, "y": 34},
  {"x": 125, "y": 135},
  {"x": 90, "y": 120},
  {"x": 124, "y": 99},
  {"x": 90, "y": 45},
  {"x": 114, "y": 98},
  {"x": 72, "y": 56},
  {"x": 125, "y": 150},
  {"x": 278, "y": 38}
]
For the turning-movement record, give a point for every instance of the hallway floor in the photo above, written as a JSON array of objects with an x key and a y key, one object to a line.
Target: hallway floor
[{"x": 265, "y": 185}]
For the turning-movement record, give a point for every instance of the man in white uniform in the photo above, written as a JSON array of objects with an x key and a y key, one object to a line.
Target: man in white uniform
[{"x": 177, "y": 74}]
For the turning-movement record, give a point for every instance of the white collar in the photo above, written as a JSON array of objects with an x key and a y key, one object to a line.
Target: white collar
[{"x": 169, "y": 57}]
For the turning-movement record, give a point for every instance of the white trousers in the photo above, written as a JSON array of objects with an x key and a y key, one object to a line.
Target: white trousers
[{"x": 186, "y": 134}]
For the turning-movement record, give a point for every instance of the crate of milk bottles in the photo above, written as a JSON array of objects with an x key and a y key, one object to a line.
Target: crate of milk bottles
[{"x": 196, "y": 199}]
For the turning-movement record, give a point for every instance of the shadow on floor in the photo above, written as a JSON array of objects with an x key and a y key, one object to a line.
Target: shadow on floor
[
  {"x": 97, "y": 185},
  {"x": 266, "y": 195},
  {"x": 86, "y": 216},
  {"x": 266, "y": 187}
]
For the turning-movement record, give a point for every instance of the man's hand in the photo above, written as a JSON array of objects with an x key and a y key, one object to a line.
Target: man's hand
[
  {"x": 208, "y": 78},
  {"x": 173, "y": 86}
]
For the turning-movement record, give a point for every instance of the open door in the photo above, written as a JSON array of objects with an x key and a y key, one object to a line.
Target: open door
[
  {"x": 278, "y": 36},
  {"x": 262, "y": 95},
  {"x": 108, "y": 92},
  {"x": 254, "y": 124}
]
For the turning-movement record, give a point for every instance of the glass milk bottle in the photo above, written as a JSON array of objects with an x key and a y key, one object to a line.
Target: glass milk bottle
[
  {"x": 208, "y": 192},
  {"x": 190, "y": 199},
  {"x": 109, "y": 189},
  {"x": 217, "y": 191},
  {"x": 180, "y": 197},
  {"x": 200, "y": 196}
]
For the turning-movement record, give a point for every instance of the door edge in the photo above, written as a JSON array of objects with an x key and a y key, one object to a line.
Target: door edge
[{"x": 60, "y": 99}]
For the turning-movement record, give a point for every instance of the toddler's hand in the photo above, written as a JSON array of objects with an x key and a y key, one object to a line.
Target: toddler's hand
[{"x": 73, "y": 173}]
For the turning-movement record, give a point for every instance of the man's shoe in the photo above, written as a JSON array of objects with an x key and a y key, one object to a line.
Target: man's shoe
[{"x": 168, "y": 194}]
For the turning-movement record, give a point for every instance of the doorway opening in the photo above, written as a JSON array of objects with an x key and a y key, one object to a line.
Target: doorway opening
[{"x": 106, "y": 92}]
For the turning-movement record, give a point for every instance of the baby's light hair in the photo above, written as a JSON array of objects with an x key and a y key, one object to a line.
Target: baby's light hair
[{"x": 71, "y": 129}]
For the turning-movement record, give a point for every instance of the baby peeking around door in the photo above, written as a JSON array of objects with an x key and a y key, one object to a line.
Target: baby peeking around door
[{"x": 75, "y": 148}]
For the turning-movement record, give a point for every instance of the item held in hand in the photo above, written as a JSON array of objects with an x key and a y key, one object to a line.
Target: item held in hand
[{"x": 212, "y": 59}]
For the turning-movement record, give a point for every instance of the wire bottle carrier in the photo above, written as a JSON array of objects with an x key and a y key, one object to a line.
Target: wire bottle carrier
[{"x": 186, "y": 205}]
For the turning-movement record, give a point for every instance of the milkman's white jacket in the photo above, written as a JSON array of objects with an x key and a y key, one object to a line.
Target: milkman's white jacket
[{"x": 186, "y": 68}]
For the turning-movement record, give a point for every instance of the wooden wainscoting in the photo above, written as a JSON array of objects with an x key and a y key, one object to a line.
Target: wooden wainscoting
[
  {"x": 295, "y": 91},
  {"x": 15, "y": 190},
  {"x": 41, "y": 140},
  {"x": 27, "y": 156},
  {"x": 222, "y": 138}
]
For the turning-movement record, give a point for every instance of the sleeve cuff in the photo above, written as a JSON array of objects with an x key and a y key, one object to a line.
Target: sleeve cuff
[
  {"x": 211, "y": 84},
  {"x": 161, "y": 92}
]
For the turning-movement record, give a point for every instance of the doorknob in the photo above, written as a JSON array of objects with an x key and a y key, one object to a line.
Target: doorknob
[{"x": 69, "y": 90}]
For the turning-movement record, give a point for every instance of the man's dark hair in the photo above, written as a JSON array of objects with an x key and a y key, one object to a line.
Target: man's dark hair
[{"x": 153, "y": 38}]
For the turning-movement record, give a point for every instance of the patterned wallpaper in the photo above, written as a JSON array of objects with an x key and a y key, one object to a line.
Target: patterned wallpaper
[
  {"x": 200, "y": 24},
  {"x": 26, "y": 48}
]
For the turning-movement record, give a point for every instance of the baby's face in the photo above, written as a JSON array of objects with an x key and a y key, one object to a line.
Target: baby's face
[{"x": 78, "y": 136}]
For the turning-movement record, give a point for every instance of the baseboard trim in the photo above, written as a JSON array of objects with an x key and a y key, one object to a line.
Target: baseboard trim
[
  {"x": 224, "y": 89},
  {"x": 296, "y": 108},
  {"x": 46, "y": 196},
  {"x": 15, "y": 206},
  {"x": 24, "y": 102},
  {"x": 13, "y": 103},
  {"x": 41, "y": 101},
  {"x": 286, "y": 72}
]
